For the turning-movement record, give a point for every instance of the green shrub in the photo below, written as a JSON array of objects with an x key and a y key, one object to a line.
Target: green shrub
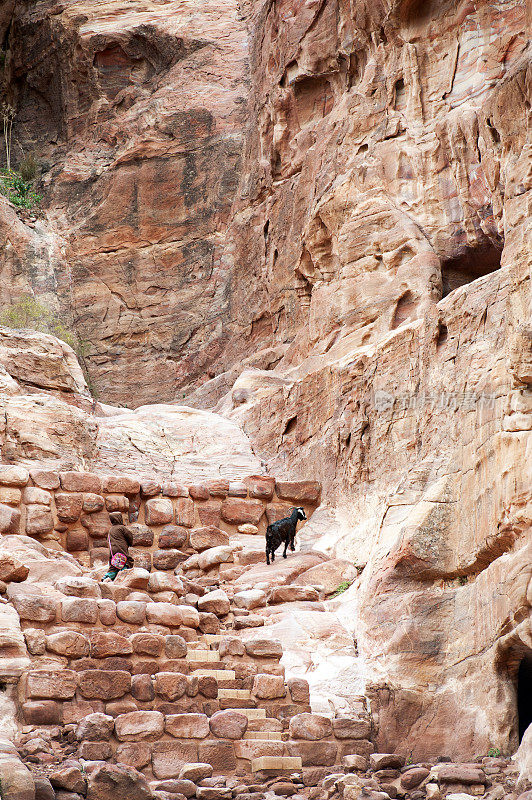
[
  {"x": 341, "y": 588},
  {"x": 28, "y": 168},
  {"x": 17, "y": 190},
  {"x": 494, "y": 752},
  {"x": 29, "y": 313}
]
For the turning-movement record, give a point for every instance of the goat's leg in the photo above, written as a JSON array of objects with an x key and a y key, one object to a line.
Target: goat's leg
[
  {"x": 293, "y": 543},
  {"x": 285, "y": 547},
  {"x": 267, "y": 556},
  {"x": 273, "y": 555}
]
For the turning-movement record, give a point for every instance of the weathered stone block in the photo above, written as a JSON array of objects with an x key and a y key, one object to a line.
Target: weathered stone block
[
  {"x": 310, "y": 726},
  {"x": 268, "y": 687},
  {"x": 42, "y": 712},
  {"x": 76, "y": 609},
  {"x": 168, "y": 758},
  {"x": 81, "y": 482},
  {"x": 139, "y": 725},
  {"x": 11, "y": 569},
  {"x": 97, "y": 524},
  {"x": 68, "y": 643},
  {"x": 11, "y": 496},
  {"x": 199, "y": 492},
  {"x": 51, "y": 684},
  {"x": 173, "y": 537},
  {"x": 95, "y": 727},
  {"x": 220, "y": 754},
  {"x": 150, "y": 488},
  {"x": 150, "y": 644},
  {"x": 45, "y": 479},
  {"x": 32, "y": 494},
  {"x": 77, "y": 541},
  {"x": 32, "y": 603},
  {"x": 172, "y": 615},
  {"x": 211, "y": 536},
  {"x": 104, "y": 685},
  {"x": 93, "y": 503},
  {"x": 135, "y": 754},
  {"x": 116, "y": 502},
  {"x": 187, "y": 726},
  {"x": 166, "y": 559},
  {"x": 184, "y": 512},
  {"x": 298, "y": 491},
  {"x": 299, "y": 690},
  {"x": 264, "y": 648},
  {"x": 68, "y": 506},
  {"x": 196, "y": 772},
  {"x": 107, "y": 643},
  {"x": 93, "y": 751},
  {"x": 173, "y": 489},
  {"x": 351, "y": 728},
  {"x": 260, "y": 486},
  {"x": 120, "y": 484},
  {"x": 250, "y": 598},
  {"x": 107, "y": 611},
  {"x": 39, "y": 520},
  {"x": 13, "y": 476},
  {"x": 142, "y": 688},
  {"x": 117, "y": 782},
  {"x": 209, "y": 623},
  {"x": 9, "y": 520},
  {"x": 170, "y": 685},
  {"x": 210, "y": 513},
  {"x": 228, "y": 724},
  {"x": 131, "y": 611},
  {"x": 159, "y": 511},
  {"x": 175, "y": 646},
  {"x": 319, "y": 754},
  {"x": 215, "y": 602},
  {"x": 236, "y": 511},
  {"x": 142, "y": 535}
]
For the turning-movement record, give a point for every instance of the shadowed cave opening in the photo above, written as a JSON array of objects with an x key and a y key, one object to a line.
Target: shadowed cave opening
[
  {"x": 524, "y": 694},
  {"x": 470, "y": 264}
]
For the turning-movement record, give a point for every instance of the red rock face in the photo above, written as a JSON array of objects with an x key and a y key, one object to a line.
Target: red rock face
[
  {"x": 138, "y": 114},
  {"x": 374, "y": 266}
]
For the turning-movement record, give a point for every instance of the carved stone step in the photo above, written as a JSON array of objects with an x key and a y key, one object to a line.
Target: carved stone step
[
  {"x": 219, "y": 674},
  {"x": 234, "y": 694},
  {"x": 250, "y": 713},
  {"x": 276, "y": 763},
  {"x": 202, "y": 655}
]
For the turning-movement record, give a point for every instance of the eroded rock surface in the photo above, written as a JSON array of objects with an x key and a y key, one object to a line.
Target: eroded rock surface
[{"x": 357, "y": 315}]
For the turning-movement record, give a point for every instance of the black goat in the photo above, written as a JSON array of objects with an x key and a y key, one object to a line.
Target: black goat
[{"x": 284, "y": 530}]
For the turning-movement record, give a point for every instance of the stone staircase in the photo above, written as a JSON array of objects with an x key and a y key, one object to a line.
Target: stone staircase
[
  {"x": 152, "y": 671},
  {"x": 157, "y": 685}
]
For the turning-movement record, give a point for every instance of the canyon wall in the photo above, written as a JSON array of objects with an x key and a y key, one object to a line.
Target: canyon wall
[
  {"x": 358, "y": 305},
  {"x": 135, "y": 113}
]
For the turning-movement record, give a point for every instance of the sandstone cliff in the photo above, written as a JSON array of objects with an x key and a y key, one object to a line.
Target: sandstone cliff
[{"x": 311, "y": 223}]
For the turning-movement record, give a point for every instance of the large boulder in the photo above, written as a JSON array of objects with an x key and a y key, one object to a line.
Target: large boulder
[
  {"x": 16, "y": 781},
  {"x": 117, "y": 782}
]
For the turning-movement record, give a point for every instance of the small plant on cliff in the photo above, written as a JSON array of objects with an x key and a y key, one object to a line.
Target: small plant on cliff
[
  {"x": 29, "y": 313},
  {"x": 17, "y": 190},
  {"x": 341, "y": 588},
  {"x": 28, "y": 168},
  {"x": 8, "y": 115},
  {"x": 494, "y": 752}
]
